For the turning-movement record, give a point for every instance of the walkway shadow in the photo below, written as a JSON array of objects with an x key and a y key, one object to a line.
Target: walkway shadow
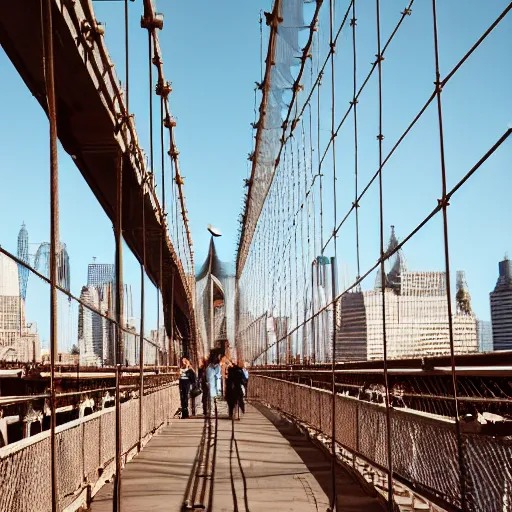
[
  {"x": 233, "y": 446},
  {"x": 200, "y": 486},
  {"x": 351, "y": 495}
]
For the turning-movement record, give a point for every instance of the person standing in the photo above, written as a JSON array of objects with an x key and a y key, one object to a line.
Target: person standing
[
  {"x": 203, "y": 384},
  {"x": 185, "y": 383},
  {"x": 225, "y": 365},
  {"x": 234, "y": 389},
  {"x": 245, "y": 380},
  {"x": 213, "y": 378}
]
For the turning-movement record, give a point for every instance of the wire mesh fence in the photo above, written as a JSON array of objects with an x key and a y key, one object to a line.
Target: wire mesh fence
[{"x": 420, "y": 444}]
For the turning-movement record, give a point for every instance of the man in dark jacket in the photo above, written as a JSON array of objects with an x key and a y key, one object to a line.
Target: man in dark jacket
[{"x": 234, "y": 389}]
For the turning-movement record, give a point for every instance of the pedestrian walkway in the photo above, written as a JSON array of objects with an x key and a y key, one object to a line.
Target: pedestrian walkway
[{"x": 258, "y": 464}]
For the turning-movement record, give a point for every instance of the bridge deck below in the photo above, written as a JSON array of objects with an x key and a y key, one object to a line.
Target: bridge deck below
[{"x": 260, "y": 463}]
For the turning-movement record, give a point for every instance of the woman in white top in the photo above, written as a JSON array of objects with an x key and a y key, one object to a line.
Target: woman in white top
[{"x": 213, "y": 377}]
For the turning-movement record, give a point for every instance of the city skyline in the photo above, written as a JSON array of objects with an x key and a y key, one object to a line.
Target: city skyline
[{"x": 99, "y": 274}]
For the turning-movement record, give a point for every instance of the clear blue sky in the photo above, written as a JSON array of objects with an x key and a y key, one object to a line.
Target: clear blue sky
[{"x": 211, "y": 55}]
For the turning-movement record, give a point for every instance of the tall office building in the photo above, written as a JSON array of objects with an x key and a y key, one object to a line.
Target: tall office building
[
  {"x": 484, "y": 331},
  {"x": 96, "y": 334},
  {"x": 501, "y": 307},
  {"x": 10, "y": 314},
  {"x": 99, "y": 274},
  {"x": 18, "y": 341},
  {"x": 416, "y": 315}
]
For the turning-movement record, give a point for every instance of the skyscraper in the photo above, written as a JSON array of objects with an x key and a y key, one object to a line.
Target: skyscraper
[
  {"x": 484, "y": 332},
  {"x": 18, "y": 341},
  {"x": 96, "y": 334},
  {"x": 416, "y": 315},
  {"x": 501, "y": 307},
  {"x": 23, "y": 271},
  {"x": 10, "y": 317},
  {"x": 99, "y": 274}
]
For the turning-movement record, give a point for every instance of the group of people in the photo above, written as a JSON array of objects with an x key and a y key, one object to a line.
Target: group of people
[{"x": 217, "y": 376}]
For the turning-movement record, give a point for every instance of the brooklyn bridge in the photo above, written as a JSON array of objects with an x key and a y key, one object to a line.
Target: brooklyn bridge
[{"x": 368, "y": 305}]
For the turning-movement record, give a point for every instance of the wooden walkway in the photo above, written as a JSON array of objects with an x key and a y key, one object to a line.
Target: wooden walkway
[{"x": 258, "y": 464}]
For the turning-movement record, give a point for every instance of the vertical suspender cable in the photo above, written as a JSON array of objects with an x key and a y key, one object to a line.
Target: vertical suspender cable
[
  {"x": 151, "y": 163},
  {"x": 333, "y": 264},
  {"x": 175, "y": 351},
  {"x": 119, "y": 329},
  {"x": 119, "y": 285},
  {"x": 143, "y": 265},
  {"x": 261, "y": 47},
  {"x": 46, "y": 9},
  {"x": 295, "y": 185},
  {"x": 142, "y": 312},
  {"x": 380, "y": 138},
  {"x": 320, "y": 167},
  {"x": 444, "y": 205},
  {"x": 127, "y": 56},
  {"x": 162, "y": 154},
  {"x": 334, "y": 496},
  {"x": 333, "y": 111},
  {"x": 304, "y": 265},
  {"x": 353, "y": 23},
  {"x": 313, "y": 320},
  {"x": 289, "y": 282}
]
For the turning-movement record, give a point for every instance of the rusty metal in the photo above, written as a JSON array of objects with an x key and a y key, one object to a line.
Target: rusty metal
[
  {"x": 119, "y": 332},
  {"x": 164, "y": 223},
  {"x": 444, "y": 204},
  {"x": 141, "y": 332},
  {"x": 332, "y": 45},
  {"x": 334, "y": 495},
  {"x": 380, "y": 138},
  {"x": 127, "y": 55},
  {"x": 353, "y": 23},
  {"x": 175, "y": 358},
  {"x": 164, "y": 88},
  {"x": 48, "y": 56}
]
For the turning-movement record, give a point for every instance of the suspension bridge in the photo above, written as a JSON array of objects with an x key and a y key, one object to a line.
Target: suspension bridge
[{"x": 369, "y": 388}]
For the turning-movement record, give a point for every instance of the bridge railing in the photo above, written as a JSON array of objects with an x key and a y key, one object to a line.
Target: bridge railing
[
  {"x": 85, "y": 454},
  {"x": 424, "y": 446}
]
